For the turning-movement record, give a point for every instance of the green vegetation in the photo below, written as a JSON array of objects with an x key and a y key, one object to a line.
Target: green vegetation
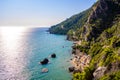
[
  {"x": 84, "y": 47},
  {"x": 99, "y": 30},
  {"x": 103, "y": 35},
  {"x": 112, "y": 76},
  {"x": 104, "y": 53},
  {"x": 86, "y": 75},
  {"x": 73, "y": 23}
]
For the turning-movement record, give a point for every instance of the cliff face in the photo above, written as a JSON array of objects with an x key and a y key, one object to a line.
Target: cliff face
[
  {"x": 99, "y": 9},
  {"x": 101, "y": 18},
  {"x": 100, "y": 39}
]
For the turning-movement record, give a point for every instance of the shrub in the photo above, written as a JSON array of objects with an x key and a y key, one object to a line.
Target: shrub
[
  {"x": 85, "y": 75},
  {"x": 112, "y": 76}
]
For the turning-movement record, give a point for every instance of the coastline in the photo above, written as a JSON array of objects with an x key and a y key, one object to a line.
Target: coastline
[{"x": 80, "y": 59}]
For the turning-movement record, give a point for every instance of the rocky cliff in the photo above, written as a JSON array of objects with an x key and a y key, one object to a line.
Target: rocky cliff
[
  {"x": 100, "y": 39},
  {"x": 97, "y": 47},
  {"x": 102, "y": 16}
]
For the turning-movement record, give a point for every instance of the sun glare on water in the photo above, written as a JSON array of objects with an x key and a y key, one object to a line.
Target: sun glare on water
[
  {"x": 11, "y": 39},
  {"x": 11, "y": 36},
  {"x": 11, "y": 32}
]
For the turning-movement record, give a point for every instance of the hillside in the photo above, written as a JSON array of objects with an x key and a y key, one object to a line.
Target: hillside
[
  {"x": 97, "y": 46},
  {"x": 100, "y": 39},
  {"x": 74, "y": 22}
]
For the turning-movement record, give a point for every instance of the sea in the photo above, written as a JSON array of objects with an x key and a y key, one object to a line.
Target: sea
[{"x": 22, "y": 49}]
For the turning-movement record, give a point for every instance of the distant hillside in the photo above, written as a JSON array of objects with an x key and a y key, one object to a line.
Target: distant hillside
[{"x": 73, "y": 22}]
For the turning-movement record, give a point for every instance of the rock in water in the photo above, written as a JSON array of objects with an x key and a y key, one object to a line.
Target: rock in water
[
  {"x": 45, "y": 61},
  {"x": 71, "y": 69},
  {"x": 53, "y": 55},
  {"x": 44, "y": 70}
]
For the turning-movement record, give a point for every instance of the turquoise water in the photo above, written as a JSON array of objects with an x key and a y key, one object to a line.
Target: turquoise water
[{"x": 19, "y": 57}]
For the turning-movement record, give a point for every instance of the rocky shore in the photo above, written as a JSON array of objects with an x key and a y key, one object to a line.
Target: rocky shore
[{"x": 80, "y": 59}]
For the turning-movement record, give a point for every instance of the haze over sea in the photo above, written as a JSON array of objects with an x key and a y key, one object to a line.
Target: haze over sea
[{"x": 21, "y": 49}]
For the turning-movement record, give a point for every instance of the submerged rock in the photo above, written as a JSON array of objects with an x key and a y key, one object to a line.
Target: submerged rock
[
  {"x": 45, "y": 61},
  {"x": 44, "y": 70},
  {"x": 53, "y": 55}
]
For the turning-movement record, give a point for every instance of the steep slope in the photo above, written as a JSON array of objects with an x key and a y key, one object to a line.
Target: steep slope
[
  {"x": 101, "y": 18},
  {"x": 73, "y": 22},
  {"x": 100, "y": 39},
  {"x": 97, "y": 46}
]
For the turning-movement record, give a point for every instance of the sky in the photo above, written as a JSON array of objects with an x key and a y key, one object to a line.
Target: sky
[{"x": 39, "y": 13}]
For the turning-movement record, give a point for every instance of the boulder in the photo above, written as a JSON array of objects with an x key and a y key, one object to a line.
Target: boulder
[
  {"x": 71, "y": 69},
  {"x": 76, "y": 71},
  {"x": 53, "y": 55},
  {"x": 99, "y": 72},
  {"x": 44, "y": 61},
  {"x": 71, "y": 59},
  {"x": 44, "y": 70},
  {"x": 73, "y": 51}
]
